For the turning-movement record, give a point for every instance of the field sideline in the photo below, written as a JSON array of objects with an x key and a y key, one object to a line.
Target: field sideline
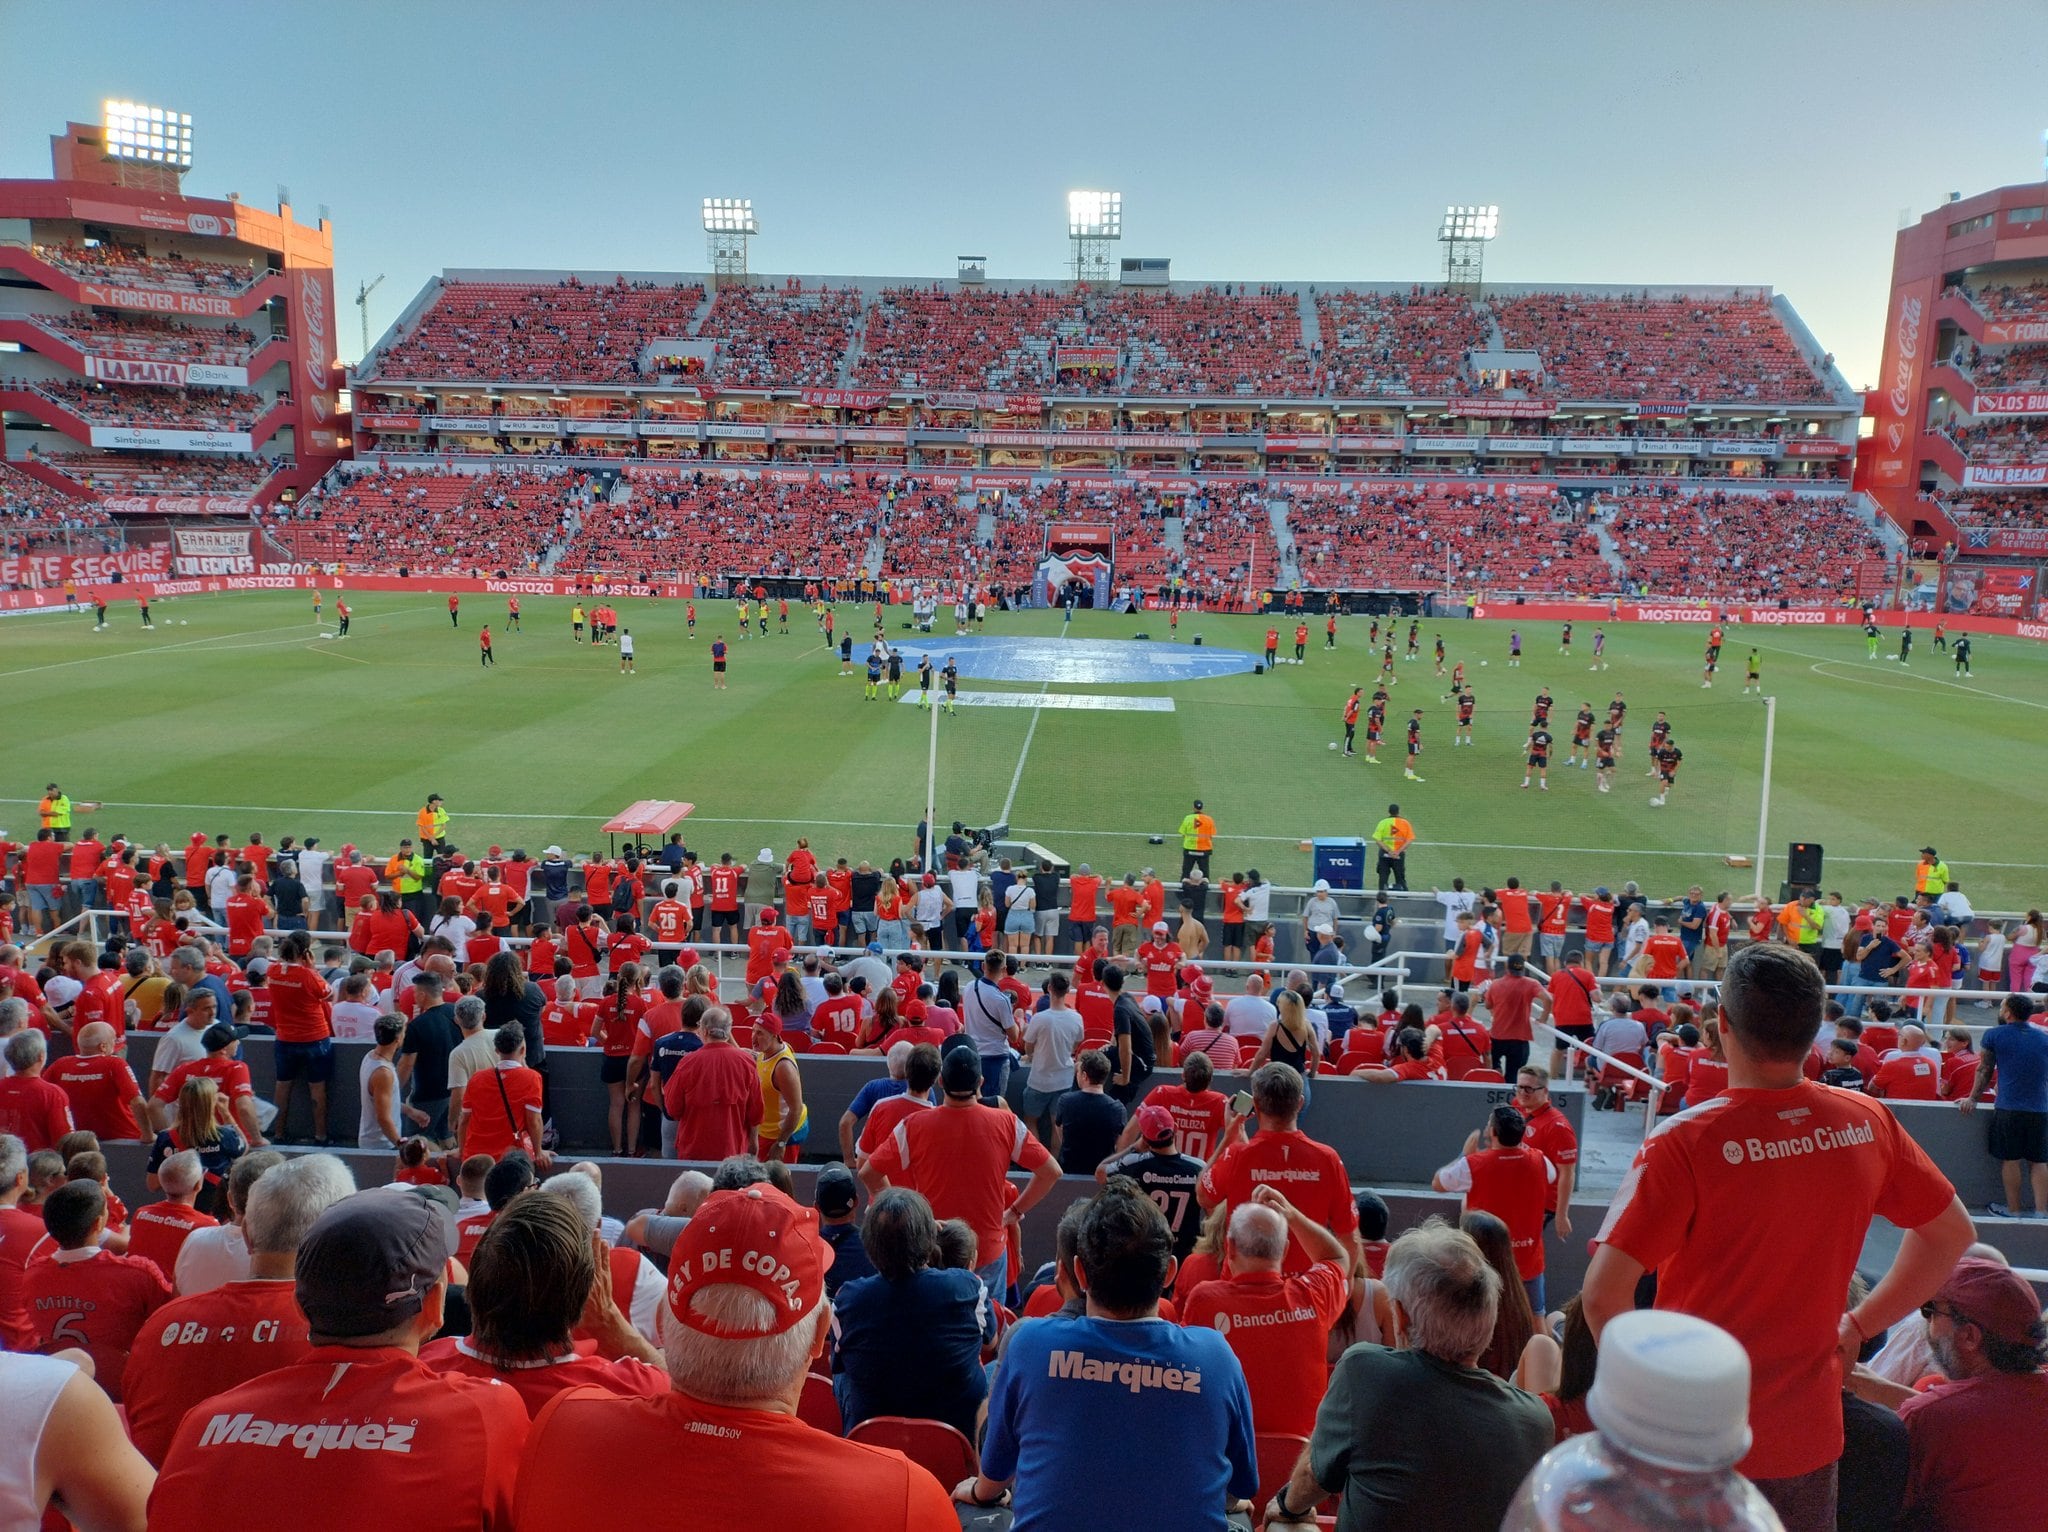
[{"x": 234, "y": 715}]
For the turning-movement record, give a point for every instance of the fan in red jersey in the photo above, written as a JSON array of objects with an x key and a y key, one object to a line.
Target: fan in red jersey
[{"x": 358, "y": 1424}]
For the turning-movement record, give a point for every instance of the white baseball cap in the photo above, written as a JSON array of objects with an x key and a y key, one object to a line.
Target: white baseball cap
[
  {"x": 1322, "y": 886},
  {"x": 552, "y": 851}
]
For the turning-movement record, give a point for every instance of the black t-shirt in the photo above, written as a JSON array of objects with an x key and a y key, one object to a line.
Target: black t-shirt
[
  {"x": 289, "y": 894},
  {"x": 1089, "y": 1123},
  {"x": 863, "y": 890},
  {"x": 1128, "y": 1017},
  {"x": 430, "y": 1038},
  {"x": 1045, "y": 888},
  {"x": 1169, "y": 1180}
]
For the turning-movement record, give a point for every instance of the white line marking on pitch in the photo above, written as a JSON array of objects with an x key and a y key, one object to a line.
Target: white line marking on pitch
[
  {"x": 186, "y": 644},
  {"x": 1871, "y": 678},
  {"x": 1017, "y": 776}
]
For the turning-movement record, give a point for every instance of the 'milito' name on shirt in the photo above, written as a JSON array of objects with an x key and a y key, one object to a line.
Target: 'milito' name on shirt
[{"x": 1134, "y": 1376}]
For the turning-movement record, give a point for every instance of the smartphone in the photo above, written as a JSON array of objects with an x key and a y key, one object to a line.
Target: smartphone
[{"x": 1241, "y": 1103}]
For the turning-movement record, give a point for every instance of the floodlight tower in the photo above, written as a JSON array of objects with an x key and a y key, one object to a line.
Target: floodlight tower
[
  {"x": 1095, "y": 222},
  {"x": 728, "y": 225},
  {"x": 1464, "y": 236},
  {"x": 151, "y": 145}
]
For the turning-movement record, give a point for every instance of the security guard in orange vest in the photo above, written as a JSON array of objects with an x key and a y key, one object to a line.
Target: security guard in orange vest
[
  {"x": 433, "y": 824},
  {"x": 55, "y": 812},
  {"x": 1197, "y": 840}
]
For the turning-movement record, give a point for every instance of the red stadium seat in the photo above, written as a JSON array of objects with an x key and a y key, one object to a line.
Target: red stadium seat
[
  {"x": 1277, "y": 1454},
  {"x": 818, "y": 1406},
  {"x": 932, "y": 1444},
  {"x": 822, "y": 1048},
  {"x": 1487, "y": 1074},
  {"x": 799, "y": 1042}
]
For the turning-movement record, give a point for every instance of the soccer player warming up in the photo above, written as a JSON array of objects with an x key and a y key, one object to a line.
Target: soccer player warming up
[
  {"x": 1414, "y": 744},
  {"x": 718, "y": 663},
  {"x": 483, "y": 640},
  {"x": 1668, "y": 757},
  {"x": 1539, "y": 757},
  {"x": 626, "y": 652},
  {"x": 1582, "y": 737},
  {"x": 1465, "y": 705}
]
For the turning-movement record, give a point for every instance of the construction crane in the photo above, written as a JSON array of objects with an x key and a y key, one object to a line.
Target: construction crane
[{"x": 363, "y": 305}]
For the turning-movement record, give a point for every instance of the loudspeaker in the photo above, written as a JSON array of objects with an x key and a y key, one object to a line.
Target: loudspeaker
[
  {"x": 1802, "y": 863},
  {"x": 1258, "y": 668}
]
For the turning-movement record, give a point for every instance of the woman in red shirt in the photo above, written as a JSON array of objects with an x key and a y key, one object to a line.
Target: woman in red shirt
[
  {"x": 388, "y": 928},
  {"x": 620, "y": 1014}
]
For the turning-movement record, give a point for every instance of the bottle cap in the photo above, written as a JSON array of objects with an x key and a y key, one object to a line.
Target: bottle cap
[{"x": 1672, "y": 1390}]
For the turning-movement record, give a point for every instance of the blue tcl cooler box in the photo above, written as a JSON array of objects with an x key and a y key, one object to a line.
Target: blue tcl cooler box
[{"x": 1341, "y": 862}]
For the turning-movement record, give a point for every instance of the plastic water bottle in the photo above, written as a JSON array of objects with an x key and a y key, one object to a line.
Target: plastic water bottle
[{"x": 1671, "y": 1403}]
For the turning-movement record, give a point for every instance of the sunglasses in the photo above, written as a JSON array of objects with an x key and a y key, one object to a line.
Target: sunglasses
[{"x": 1930, "y": 1309}]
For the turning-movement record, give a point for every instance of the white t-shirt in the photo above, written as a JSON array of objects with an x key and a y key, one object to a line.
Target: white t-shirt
[
  {"x": 1052, "y": 1037},
  {"x": 211, "y": 1258},
  {"x": 965, "y": 884},
  {"x": 931, "y": 904},
  {"x": 1020, "y": 896},
  {"x": 1458, "y": 902},
  {"x": 29, "y": 1386},
  {"x": 220, "y": 886},
  {"x": 354, "y": 1020},
  {"x": 458, "y": 929},
  {"x": 313, "y": 873},
  {"x": 1249, "y": 1016},
  {"x": 1638, "y": 938},
  {"x": 626, "y": 645},
  {"x": 1254, "y": 901},
  {"x": 180, "y": 1045}
]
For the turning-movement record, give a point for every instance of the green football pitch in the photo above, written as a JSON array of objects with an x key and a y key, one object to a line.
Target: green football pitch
[{"x": 235, "y": 715}]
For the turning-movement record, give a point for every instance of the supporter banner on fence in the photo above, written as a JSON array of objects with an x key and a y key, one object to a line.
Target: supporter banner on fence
[
  {"x": 1661, "y": 446},
  {"x": 118, "y": 369},
  {"x": 481, "y": 425},
  {"x": 2020, "y": 541},
  {"x": 81, "y": 568},
  {"x": 216, "y": 551},
  {"x": 176, "y": 505},
  {"x": 600, "y": 427},
  {"x": 736, "y": 433},
  {"x": 846, "y": 398},
  {"x": 1814, "y": 446},
  {"x": 1742, "y": 446},
  {"x": 531, "y": 425},
  {"x": 1085, "y": 356},
  {"x": 1156, "y": 441},
  {"x": 108, "y": 295},
  {"x": 1503, "y": 409},
  {"x": 1443, "y": 444},
  {"x": 1663, "y": 409},
  {"x": 806, "y": 433},
  {"x": 1008, "y": 404},
  {"x": 1593, "y": 446},
  {"x": 2006, "y": 476},
  {"x": 2014, "y": 332},
  {"x": 160, "y": 440},
  {"x": 2011, "y": 401},
  {"x": 1526, "y": 445},
  {"x": 1990, "y": 590}
]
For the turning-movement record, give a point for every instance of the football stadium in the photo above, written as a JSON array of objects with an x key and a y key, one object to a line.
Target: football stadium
[{"x": 874, "y": 880}]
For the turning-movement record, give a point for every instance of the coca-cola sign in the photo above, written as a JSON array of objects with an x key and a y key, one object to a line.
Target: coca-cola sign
[
  {"x": 313, "y": 321},
  {"x": 176, "y": 505},
  {"x": 1905, "y": 367}
]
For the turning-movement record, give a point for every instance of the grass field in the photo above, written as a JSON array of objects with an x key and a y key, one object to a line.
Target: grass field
[{"x": 233, "y": 715}]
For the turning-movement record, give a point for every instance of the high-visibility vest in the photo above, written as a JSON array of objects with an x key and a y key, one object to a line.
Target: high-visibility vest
[
  {"x": 55, "y": 812},
  {"x": 1198, "y": 833}
]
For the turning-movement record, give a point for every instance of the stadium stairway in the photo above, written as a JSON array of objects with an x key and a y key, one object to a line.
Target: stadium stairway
[
  {"x": 1173, "y": 537},
  {"x": 1311, "y": 323},
  {"x": 856, "y": 343},
  {"x": 1283, "y": 541},
  {"x": 1611, "y": 554}
]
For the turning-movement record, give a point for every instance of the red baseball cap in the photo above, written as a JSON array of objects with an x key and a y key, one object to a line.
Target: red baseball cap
[
  {"x": 688, "y": 958},
  {"x": 759, "y": 1239},
  {"x": 1995, "y": 1298},
  {"x": 1155, "y": 1124},
  {"x": 781, "y": 955},
  {"x": 497, "y": 851}
]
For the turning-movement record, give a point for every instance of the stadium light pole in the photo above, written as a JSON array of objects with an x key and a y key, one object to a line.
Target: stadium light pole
[
  {"x": 1095, "y": 222},
  {"x": 1763, "y": 817},
  {"x": 151, "y": 144},
  {"x": 728, "y": 224},
  {"x": 1465, "y": 232}
]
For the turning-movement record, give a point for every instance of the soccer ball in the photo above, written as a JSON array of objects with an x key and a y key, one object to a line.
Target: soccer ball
[
  {"x": 1333, "y": 744},
  {"x": 184, "y": 623},
  {"x": 1482, "y": 663}
]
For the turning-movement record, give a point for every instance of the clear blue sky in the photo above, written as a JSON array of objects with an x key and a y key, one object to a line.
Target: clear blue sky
[{"x": 1727, "y": 142}]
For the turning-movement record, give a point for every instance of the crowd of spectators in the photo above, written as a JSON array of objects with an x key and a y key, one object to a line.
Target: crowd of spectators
[
  {"x": 1393, "y": 344},
  {"x": 182, "y": 409},
  {"x": 966, "y": 338},
  {"x": 2006, "y": 367},
  {"x": 2020, "y": 440},
  {"x": 150, "y": 337},
  {"x": 1230, "y": 340},
  {"x": 161, "y": 473},
  {"x": 1744, "y": 547},
  {"x": 711, "y": 526},
  {"x": 1421, "y": 536},
  {"x": 1695, "y": 349},
  {"x": 433, "y": 522},
  {"x": 785, "y": 337},
  {"x": 32, "y": 512},
  {"x": 107, "y": 262},
  {"x": 2015, "y": 508},
  {"x": 2012, "y": 300},
  {"x": 541, "y": 332}
]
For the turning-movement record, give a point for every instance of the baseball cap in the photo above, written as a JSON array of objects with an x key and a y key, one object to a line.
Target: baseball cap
[
  {"x": 1155, "y": 1124},
  {"x": 1516, "y": 962},
  {"x": 1153, "y": 1003},
  {"x": 930, "y": 881},
  {"x": 551, "y": 851},
  {"x": 875, "y": 947},
  {"x": 369, "y": 1261},
  {"x": 1083, "y": 868},
  {"x": 1929, "y": 851},
  {"x": 1322, "y": 886},
  {"x": 1600, "y": 893},
  {"x": 1995, "y": 1298},
  {"x": 781, "y": 955},
  {"x": 756, "y": 1238},
  {"x": 836, "y": 1191},
  {"x": 766, "y": 857},
  {"x": 496, "y": 851},
  {"x": 257, "y": 965},
  {"x": 1326, "y": 929},
  {"x": 960, "y": 1071},
  {"x": 1159, "y": 925},
  {"x": 220, "y": 1035}
]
